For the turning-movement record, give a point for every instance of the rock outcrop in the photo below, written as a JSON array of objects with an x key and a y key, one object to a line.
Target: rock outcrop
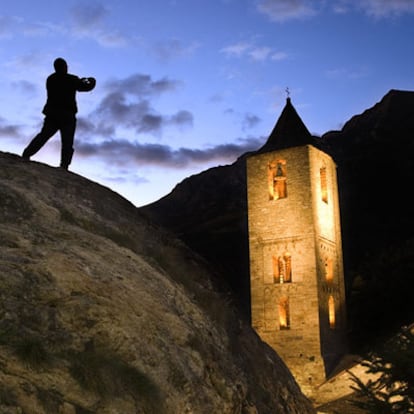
[{"x": 103, "y": 312}]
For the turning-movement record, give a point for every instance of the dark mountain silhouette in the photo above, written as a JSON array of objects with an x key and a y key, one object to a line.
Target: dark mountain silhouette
[
  {"x": 374, "y": 153},
  {"x": 208, "y": 211}
]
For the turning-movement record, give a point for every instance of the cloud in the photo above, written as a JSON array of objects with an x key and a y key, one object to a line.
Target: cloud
[
  {"x": 25, "y": 86},
  {"x": 7, "y": 26},
  {"x": 283, "y": 10},
  {"x": 278, "y": 56},
  {"x": 23, "y": 62},
  {"x": 250, "y": 121},
  {"x": 181, "y": 118},
  {"x": 168, "y": 50},
  {"x": 125, "y": 176},
  {"x": 122, "y": 152},
  {"x": 88, "y": 21},
  {"x": 127, "y": 104},
  {"x": 237, "y": 49},
  {"x": 87, "y": 15},
  {"x": 347, "y": 73},
  {"x": 255, "y": 53},
  {"x": 9, "y": 130},
  {"x": 385, "y": 8},
  {"x": 260, "y": 53},
  {"x": 141, "y": 85}
]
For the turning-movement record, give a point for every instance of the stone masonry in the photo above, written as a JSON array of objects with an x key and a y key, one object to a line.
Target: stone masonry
[{"x": 296, "y": 269}]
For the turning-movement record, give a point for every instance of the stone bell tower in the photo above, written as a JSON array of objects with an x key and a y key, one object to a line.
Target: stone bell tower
[{"x": 296, "y": 270}]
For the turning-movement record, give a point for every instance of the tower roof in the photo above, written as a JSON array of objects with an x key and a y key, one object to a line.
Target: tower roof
[{"x": 289, "y": 131}]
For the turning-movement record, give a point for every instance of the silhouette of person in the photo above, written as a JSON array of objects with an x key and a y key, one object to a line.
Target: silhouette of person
[{"x": 60, "y": 111}]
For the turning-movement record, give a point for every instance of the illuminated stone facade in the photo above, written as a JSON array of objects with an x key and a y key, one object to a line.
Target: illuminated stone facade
[{"x": 296, "y": 270}]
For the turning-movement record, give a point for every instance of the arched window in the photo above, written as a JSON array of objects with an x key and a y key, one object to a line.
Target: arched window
[
  {"x": 324, "y": 185},
  {"x": 329, "y": 273},
  {"x": 282, "y": 268},
  {"x": 277, "y": 180},
  {"x": 331, "y": 310},
  {"x": 284, "y": 318},
  {"x": 288, "y": 267}
]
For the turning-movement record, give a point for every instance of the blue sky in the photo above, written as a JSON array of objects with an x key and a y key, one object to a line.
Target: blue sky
[{"x": 185, "y": 85}]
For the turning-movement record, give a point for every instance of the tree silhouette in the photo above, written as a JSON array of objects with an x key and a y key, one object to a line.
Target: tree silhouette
[{"x": 392, "y": 390}]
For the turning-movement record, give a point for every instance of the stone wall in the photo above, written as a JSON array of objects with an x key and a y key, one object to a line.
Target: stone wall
[{"x": 291, "y": 235}]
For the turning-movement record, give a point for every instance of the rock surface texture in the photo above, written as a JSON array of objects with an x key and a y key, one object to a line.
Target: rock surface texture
[{"x": 103, "y": 312}]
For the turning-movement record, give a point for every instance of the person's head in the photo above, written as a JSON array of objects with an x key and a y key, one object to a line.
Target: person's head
[{"x": 60, "y": 65}]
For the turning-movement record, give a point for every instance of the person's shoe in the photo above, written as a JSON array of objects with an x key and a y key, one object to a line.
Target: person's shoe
[{"x": 25, "y": 156}]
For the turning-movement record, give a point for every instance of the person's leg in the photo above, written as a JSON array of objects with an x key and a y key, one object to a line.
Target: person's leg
[
  {"x": 48, "y": 130},
  {"x": 67, "y": 134}
]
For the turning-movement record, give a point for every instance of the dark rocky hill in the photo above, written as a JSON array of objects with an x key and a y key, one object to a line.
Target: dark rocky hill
[
  {"x": 103, "y": 312},
  {"x": 374, "y": 152},
  {"x": 208, "y": 212}
]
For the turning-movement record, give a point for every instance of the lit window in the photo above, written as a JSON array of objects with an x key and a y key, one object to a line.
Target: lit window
[
  {"x": 284, "y": 322},
  {"x": 288, "y": 267},
  {"x": 331, "y": 307},
  {"x": 282, "y": 268},
  {"x": 329, "y": 270},
  {"x": 277, "y": 180},
  {"x": 324, "y": 185}
]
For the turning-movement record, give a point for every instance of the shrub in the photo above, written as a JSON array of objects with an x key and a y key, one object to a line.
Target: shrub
[
  {"x": 32, "y": 352},
  {"x": 392, "y": 391}
]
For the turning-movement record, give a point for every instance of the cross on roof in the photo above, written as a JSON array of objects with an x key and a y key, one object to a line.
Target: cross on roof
[{"x": 287, "y": 92}]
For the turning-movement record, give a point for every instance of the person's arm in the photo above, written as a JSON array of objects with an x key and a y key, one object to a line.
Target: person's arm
[{"x": 86, "y": 84}]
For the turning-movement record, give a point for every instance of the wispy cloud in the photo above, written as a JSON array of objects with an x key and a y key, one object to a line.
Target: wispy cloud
[
  {"x": 85, "y": 20},
  {"x": 124, "y": 152},
  {"x": 89, "y": 20},
  {"x": 255, "y": 53},
  {"x": 250, "y": 121},
  {"x": 167, "y": 50},
  {"x": 285, "y": 10},
  {"x": 28, "y": 88},
  {"x": 87, "y": 15},
  {"x": 282, "y": 10},
  {"x": 7, "y": 26},
  {"x": 9, "y": 130},
  {"x": 385, "y": 8},
  {"x": 260, "y": 53},
  {"x": 237, "y": 49},
  {"x": 11, "y": 26},
  {"x": 125, "y": 176},
  {"x": 141, "y": 85},
  {"x": 347, "y": 73}
]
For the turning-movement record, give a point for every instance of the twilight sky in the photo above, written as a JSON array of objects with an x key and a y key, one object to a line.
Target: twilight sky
[{"x": 185, "y": 85}]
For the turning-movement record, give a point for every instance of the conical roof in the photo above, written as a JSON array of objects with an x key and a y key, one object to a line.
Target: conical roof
[{"x": 289, "y": 131}]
